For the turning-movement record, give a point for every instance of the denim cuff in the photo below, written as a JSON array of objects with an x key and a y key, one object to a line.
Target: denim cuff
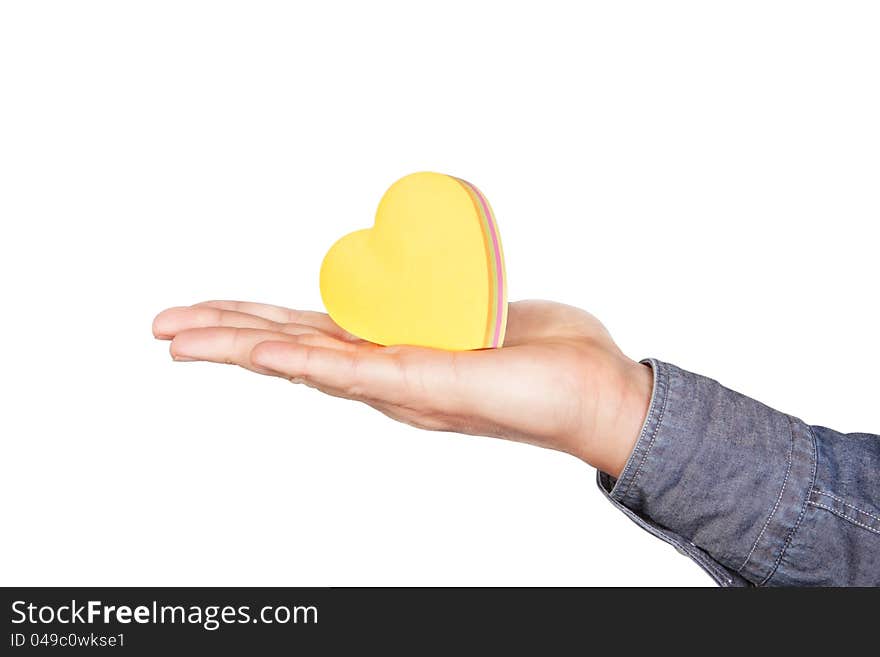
[{"x": 722, "y": 477}]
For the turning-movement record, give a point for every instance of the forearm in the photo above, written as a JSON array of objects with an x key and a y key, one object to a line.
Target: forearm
[
  {"x": 617, "y": 416},
  {"x": 754, "y": 495}
]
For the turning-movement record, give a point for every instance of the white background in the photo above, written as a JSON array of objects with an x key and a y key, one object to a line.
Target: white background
[{"x": 701, "y": 176}]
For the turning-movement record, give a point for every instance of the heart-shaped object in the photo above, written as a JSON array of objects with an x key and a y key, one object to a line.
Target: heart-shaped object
[{"x": 430, "y": 272}]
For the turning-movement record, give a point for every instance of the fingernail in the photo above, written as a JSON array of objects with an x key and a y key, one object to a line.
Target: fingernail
[{"x": 182, "y": 359}]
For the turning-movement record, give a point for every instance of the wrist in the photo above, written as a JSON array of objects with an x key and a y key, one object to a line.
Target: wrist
[{"x": 636, "y": 387}]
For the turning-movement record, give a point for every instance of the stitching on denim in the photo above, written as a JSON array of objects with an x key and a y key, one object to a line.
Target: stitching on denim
[
  {"x": 697, "y": 555},
  {"x": 778, "y": 498},
  {"x": 847, "y": 518},
  {"x": 804, "y": 506},
  {"x": 834, "y": 497},
  {"x": 708, "y": 564},
  {"x": 653, "y": 434},
  {"x": 703, "y": 559},
  {"x": 717, "y": 574}
]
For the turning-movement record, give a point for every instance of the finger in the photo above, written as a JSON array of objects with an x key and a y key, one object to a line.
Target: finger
[
  {"x": 429, "y": 380},
  {"x": 356, "y": 373},
  {"x": 281, "y": 315},
  {"x": 318, "y": 339},
  {"x": 402, "y": 414},
  {"x": 172, "y": 321},
  {"x": 231, "y": 346}
]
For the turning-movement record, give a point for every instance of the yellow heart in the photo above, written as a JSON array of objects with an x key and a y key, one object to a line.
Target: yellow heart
[{"x": 430, "y": 272}]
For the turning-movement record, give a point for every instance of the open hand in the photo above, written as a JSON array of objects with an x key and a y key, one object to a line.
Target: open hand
[{"x": 558, "y": 382}]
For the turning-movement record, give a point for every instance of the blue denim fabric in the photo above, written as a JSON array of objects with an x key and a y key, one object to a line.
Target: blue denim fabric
[{"x": 754, "y": 496}]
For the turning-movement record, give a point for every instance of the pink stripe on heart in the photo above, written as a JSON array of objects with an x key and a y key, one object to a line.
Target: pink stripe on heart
[{"x": 496, "y": 249}]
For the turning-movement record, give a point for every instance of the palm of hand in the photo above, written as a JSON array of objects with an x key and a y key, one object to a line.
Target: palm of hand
[{"x": 559, "y": 381}]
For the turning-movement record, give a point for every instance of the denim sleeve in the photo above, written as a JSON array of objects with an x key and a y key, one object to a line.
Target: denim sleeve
[{"x": 754, "y": 496}]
